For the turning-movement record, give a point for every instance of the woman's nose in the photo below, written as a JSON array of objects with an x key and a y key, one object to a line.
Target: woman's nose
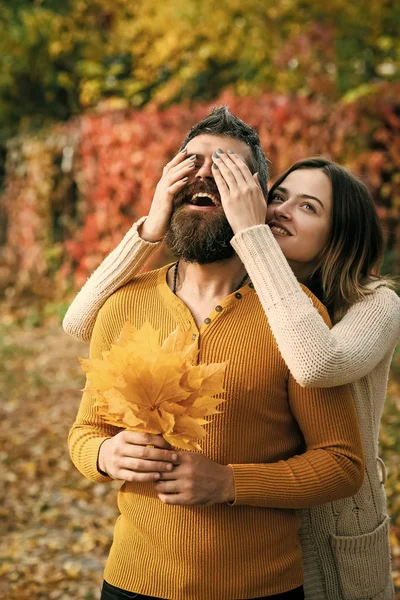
[{"x": 283, "y": 211}]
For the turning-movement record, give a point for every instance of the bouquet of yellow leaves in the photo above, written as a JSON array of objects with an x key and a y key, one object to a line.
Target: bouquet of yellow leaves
[{"x": 142, "y": 386}]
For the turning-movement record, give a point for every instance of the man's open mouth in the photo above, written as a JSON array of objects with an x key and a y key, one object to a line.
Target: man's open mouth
[{"x": 204, "y": 199}]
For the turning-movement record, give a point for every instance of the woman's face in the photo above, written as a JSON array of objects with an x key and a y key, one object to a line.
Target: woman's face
[{"x": 299, "y": 215}]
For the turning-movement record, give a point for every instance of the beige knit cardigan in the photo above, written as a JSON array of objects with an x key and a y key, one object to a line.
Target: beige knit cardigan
[{"x": 346, "y": 552}]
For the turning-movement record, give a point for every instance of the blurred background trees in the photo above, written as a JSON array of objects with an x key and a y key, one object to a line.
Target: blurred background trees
[
  {"x": 58, "y": 58},
  {"x": 95, "y": 97},
  {"x": 115, "y": 85}
]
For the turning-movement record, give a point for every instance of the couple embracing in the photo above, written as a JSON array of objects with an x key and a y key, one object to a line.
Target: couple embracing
[{"x": 286, "y": 501}]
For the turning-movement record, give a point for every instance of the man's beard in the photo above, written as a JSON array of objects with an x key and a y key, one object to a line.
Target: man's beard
[{"x": 199, "y": 236}]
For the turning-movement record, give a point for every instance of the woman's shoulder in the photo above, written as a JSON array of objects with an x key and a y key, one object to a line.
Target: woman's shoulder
[
  {"x": 382, "y": 291},
  {"x": 140, "y": 289},
  {"x": 381, "y": 302}
]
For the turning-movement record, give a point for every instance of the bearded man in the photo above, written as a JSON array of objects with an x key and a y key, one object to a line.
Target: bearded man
[{"x": 221, "y": 524}]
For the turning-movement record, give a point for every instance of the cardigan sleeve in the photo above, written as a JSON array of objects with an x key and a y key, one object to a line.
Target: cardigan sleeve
[
  {"x": 116, "y": 270},
  {"x": 316, "y": 355}
]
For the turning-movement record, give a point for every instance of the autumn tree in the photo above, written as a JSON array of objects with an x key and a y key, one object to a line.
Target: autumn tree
[{"x": 58, "y": 58}]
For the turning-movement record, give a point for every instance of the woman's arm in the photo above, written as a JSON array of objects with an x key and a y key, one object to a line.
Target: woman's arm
[
  {"x": 131, "y": 254},
  {"x": 115, "y": 271},
  {"x": 316, "y": 355}
]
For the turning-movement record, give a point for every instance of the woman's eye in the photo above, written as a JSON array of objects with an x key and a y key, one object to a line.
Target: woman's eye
[
  {"x": 309, "y": 207},
  {"x": 277, "y": 198}
]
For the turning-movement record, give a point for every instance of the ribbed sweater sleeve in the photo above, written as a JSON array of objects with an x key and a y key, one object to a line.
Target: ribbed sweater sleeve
[
  {"x": 116, "y": 270},
  {"x": 89, "y": 430},
  {"x": 332, "y": 466},
  {"x": 316, "y": 355}
]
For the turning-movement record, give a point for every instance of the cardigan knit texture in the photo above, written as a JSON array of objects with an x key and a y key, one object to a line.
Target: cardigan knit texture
[{"x": 345, "y": 544}]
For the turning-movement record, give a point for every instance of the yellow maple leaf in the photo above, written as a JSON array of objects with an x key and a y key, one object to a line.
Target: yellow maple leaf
[
  {"x": 143, "y": 341},
  {"x": 144, "y": 386},
  {"x": 204, "y": 406},
  {"x": 181, "y": 341},
  {"x": 203, "y": 379}
]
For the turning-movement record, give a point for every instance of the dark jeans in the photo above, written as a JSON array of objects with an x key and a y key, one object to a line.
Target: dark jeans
[{"x": 110, "y": 592}]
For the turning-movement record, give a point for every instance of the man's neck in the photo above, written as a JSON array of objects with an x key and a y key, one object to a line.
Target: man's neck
[{"x": 203, "y": 282}]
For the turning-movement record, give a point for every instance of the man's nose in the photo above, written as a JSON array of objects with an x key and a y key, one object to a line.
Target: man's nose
[{"x": 204, "y": 171}]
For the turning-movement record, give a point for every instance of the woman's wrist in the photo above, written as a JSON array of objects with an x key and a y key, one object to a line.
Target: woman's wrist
[
  {"x": 149, "y": 234},
  {"x": 246, "y": 225}
]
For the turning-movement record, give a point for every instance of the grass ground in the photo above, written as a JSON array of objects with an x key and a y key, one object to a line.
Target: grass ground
[{"x": 56, "y": 527}]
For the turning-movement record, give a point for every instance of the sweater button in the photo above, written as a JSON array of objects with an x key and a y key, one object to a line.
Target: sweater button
[
  {"x": 207, "y": 321},
  {"x": 194, "y": 336},
  {"x": 218, "y": 308},
  {"x": 238, "y": 295}
]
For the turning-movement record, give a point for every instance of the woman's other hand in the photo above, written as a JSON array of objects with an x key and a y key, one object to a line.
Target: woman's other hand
[
  {"x": 242, "y": 198},
  {"x": 174, "y": 178}
]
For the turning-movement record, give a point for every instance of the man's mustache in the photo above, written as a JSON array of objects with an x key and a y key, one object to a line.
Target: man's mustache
[{"x": 185, "y": 195}]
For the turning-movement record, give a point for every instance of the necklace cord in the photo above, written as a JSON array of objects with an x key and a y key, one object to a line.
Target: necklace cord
[{"x": 176, "y": 278}]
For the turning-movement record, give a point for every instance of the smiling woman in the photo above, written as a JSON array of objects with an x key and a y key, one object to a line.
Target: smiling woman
[
  {"x": 335, "y": 234},
  {"x": 300, "y": 216}
]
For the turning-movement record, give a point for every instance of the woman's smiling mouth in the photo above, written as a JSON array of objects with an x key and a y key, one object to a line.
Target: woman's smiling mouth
[{"x": 278, "y": 229}]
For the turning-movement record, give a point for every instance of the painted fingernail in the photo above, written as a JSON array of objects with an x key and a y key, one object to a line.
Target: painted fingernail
[
  {"x": 231, "y": 152},
  {"x": 174, "y": 457},
  {"x": 215, "y": 155},
  {"x": 193, "y": 157},
  {"x": 220, "y": 151},
  {"x": 184, "y": 180},
  {"x": 183, "y": 151},
  {"x": 214, "y": 166}
]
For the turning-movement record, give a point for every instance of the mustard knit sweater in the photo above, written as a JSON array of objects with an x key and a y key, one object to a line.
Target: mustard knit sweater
[{"x": 289, "y": 447}]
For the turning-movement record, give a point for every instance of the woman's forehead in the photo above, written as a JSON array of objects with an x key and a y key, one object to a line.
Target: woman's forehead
[{"x": 309, "y": 182}]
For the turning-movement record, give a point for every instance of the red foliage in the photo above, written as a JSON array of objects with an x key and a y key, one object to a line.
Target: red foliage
[{"x": 120, "y": 155}]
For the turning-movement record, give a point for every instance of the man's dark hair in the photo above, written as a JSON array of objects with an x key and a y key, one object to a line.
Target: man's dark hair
[{"x": 222, "y": 122}]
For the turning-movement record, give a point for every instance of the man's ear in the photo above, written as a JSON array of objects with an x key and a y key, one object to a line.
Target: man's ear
[{"x": 255, "y": 177}]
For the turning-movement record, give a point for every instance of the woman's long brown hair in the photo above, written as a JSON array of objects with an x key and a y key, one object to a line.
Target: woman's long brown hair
[{"x": 354, "y": 253}]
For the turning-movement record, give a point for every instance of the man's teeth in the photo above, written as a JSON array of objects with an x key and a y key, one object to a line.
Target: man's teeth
[
  {"x": 279, "y": 230},
  {"x": 203, "y": 195}
]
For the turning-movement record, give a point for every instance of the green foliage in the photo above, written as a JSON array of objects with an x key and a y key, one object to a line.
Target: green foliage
[
  {"x": 56, "y": 309},
  {"x": 389, "y": 438},
  {"x": 58, "y": 58}
]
